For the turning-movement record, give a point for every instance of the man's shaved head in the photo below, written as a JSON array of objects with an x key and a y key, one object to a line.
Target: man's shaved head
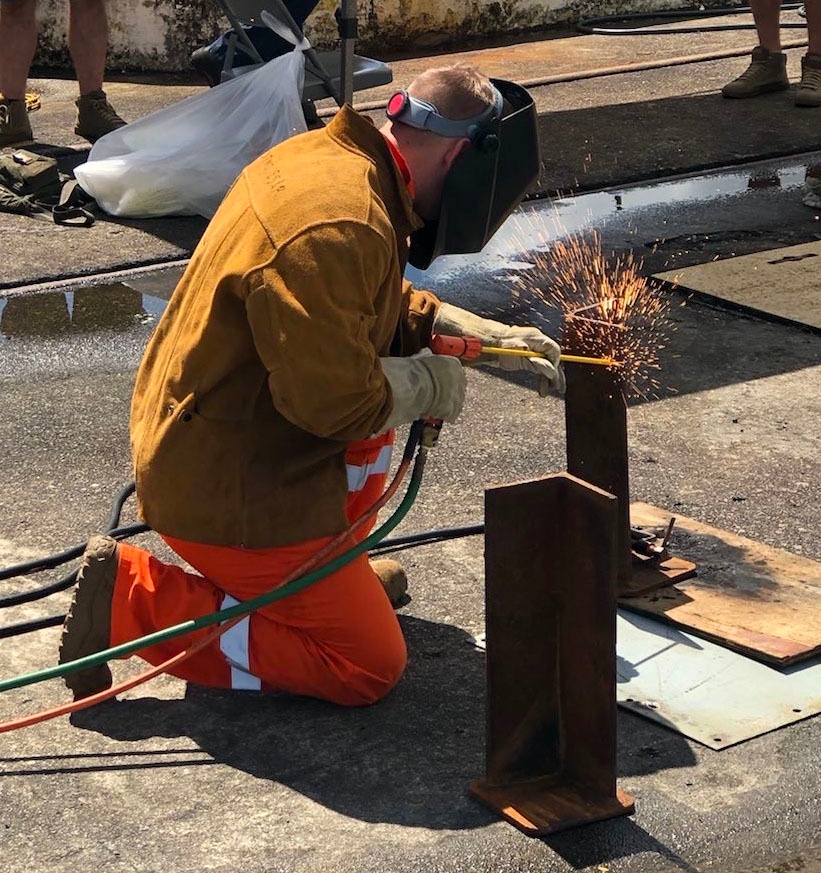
[{"x": 458, "y": 91}]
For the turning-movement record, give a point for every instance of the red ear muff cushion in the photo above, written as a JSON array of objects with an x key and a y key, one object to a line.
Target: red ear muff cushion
[{"x": 397, "y": 104}]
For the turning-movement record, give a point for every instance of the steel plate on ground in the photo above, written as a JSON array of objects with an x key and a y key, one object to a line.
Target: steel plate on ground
[
  {"x": 781, "y": 283},
  {"x": 708, "y": 693}
]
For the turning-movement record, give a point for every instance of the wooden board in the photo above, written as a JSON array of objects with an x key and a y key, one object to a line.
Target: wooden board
[{"x": 758, "y": 600}]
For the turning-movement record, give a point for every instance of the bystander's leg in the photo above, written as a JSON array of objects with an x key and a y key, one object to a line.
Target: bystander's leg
[
  {"x": 768, "y": 67},
  {"x": 88, "y": 44},
  {"x": 809, "y": 89},
  {"x": 18, "y": 42}
]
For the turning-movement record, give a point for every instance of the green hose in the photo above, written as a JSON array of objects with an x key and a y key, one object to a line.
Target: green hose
[{"x": 247, "y": 606}]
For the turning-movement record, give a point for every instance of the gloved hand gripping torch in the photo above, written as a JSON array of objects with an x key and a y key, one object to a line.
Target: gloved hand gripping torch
[{"x": 469, "y": 348}]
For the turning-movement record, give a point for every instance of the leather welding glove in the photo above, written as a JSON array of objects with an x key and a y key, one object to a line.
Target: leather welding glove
[
  {"x": 424, "y": 386},
  {"x": 453, "y": 321}
]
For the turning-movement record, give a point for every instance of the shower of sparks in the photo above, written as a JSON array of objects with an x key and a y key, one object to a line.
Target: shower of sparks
[{"x": 615, "y": 312}]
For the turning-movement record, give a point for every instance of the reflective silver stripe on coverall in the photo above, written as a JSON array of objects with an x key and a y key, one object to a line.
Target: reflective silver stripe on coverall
[
  {"x": 358, "y": 476},
  {"x": 234, "y": 645}
]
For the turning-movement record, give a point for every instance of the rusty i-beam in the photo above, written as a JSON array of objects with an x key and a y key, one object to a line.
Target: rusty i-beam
[
  {"x": 558, "y": 552},
  {"x": 550, "y": 575},
  {"x": 596, "y": 430}
]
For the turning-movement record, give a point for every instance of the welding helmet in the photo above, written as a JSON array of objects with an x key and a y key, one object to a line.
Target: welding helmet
[{"x": 487, "y": 181}]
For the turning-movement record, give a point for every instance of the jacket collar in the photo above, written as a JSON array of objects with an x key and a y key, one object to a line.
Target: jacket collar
[
  {"x": 402, "y": 164},
  {"x": 358, "y": 133}
]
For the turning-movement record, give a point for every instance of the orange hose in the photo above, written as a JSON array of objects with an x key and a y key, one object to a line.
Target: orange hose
[
  {"x": 314, "y": 561},
  {"x": 93, "y": 699}
]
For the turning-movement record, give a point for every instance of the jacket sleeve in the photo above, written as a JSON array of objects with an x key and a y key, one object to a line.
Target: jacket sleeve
[
  {"x": 416, "y": 326},
  {"x": 311, "y": 309}
]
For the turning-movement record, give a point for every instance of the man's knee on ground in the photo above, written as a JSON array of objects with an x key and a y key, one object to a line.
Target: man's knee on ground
[{"x": 376, "y": 675}]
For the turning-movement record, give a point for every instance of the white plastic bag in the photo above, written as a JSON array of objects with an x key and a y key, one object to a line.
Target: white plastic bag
[{"x": 182, "y": 159}]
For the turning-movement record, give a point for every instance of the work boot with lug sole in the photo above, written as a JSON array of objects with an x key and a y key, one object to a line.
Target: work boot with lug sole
[
  {"x": 95, "y": 116},
  {"x": 809, "y": 89},
  {"x": 767, "y": 72},
  {"x": 393, "y": 579},
  {"x": 87, "y": 627},
  {"x": 15, "y": 127}
]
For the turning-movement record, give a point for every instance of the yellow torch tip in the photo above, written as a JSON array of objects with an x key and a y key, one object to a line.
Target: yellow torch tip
[
  {"x": 584, "y": 359},
  {"x": 604, "y": 361}
]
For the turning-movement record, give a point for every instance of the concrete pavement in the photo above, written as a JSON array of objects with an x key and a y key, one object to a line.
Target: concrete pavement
[{"x": 204, "y": 780}]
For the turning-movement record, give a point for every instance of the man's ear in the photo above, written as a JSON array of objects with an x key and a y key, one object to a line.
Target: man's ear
[{"x": 456, "y": 148}]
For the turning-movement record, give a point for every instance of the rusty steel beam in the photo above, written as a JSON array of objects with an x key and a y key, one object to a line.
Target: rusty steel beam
[
  {"x": 596, "y": 430},
  {"x": 551, "y": 655}
]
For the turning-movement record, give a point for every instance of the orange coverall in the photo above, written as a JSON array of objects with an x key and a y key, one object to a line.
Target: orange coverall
[{"x": 338, "y": 639}]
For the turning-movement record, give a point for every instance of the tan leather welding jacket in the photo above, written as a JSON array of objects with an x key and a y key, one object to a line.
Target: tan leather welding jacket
[{"x": 264, "y": 366}]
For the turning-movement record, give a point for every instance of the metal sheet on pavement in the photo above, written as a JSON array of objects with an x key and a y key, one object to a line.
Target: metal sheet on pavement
[
  {"x": 705, "y": 692},
  {"x": 780, "y": 283}
]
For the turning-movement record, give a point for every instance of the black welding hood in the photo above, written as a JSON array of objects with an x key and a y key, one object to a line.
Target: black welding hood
[{"x": 487, "y": 181}]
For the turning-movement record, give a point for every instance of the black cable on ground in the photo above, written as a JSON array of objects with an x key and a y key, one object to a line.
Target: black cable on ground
[
  {"x": 119, "y": 502},
  {"x": 428, "y": 537},
  {"x": 56, "y": 560},
  {"x": 388, "y": 546},
  {"x": 600, "y": 25},
  {"x": 119, "y": 533},
  {"x": 26, "y": 627},
  {"x": 52, "y": 561},
  {"x": 48, "y": 563},
  {"x": 19, "y": 628}
]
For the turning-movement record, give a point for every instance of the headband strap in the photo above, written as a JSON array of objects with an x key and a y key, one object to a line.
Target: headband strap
[{"x": 418, "y": 113}]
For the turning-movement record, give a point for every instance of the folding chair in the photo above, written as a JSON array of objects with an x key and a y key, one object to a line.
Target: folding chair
[{"x": 335, "y": 74}]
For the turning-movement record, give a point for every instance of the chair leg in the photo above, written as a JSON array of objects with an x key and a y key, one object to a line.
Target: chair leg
[
  {"x": 228, "y": 63},
  {"x": 312, "y": 119}
]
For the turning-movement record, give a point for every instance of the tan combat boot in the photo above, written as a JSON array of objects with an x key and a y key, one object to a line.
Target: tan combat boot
[
  {"x": 87, "y": 627},
  {"x": 95, "y": 116},
  {"x": 767, "y": 72},
  {"x": 15, "y": 127},
  {"x": 809, "y": 90},
  {"x": 393, "y": 579}
]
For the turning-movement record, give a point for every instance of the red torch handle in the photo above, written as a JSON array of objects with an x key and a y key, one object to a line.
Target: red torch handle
[{"x": 468, "y": 348}]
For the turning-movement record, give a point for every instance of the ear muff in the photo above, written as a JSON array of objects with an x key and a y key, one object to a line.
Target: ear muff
[
  {"x": 406, "y": 109},
  {"x": 398, "y": 105}
]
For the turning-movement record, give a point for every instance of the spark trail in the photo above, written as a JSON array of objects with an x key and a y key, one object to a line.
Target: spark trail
[{"x": 616, "y": 312}]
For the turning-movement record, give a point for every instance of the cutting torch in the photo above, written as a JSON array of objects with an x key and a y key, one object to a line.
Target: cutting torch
[{"x": 469, "y": 348}]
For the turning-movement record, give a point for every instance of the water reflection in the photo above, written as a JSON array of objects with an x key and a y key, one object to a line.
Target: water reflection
[
  {"x": 619, "y": 211},
  {"x": 113, "y": 307},
  {"x": 626, "y": 217}
]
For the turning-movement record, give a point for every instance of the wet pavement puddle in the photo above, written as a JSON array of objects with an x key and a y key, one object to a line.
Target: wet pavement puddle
[
  {"x": 115, "y": 307},
  {"x": 633, "y": 216}
]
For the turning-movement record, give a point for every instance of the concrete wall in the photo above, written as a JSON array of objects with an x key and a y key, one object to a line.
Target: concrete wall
[{"x": 160, "y": 34}]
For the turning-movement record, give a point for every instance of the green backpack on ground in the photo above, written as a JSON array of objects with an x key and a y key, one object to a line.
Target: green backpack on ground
[{"x": 32, "y": 184}]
